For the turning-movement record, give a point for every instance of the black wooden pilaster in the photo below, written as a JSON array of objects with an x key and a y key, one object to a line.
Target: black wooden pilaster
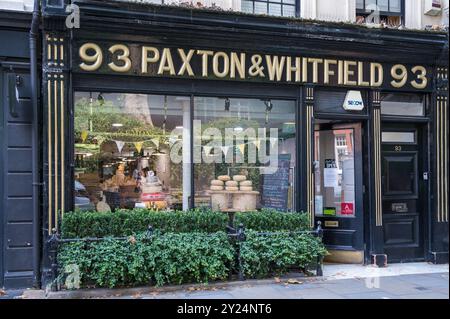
[
  {"x": 438, "y": 252},
  {"x": 376, "y": 211}
]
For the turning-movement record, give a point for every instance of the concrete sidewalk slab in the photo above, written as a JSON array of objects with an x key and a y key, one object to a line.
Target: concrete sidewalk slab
[
  {"x": 339, "y": 282},
  {"x": 339, "y": 271}
]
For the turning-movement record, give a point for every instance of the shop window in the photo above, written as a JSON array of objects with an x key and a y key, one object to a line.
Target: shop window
[
  {"x": 391, "y": 12},
  {"x": 128, "y": 150},
  {"x": 252, "y": 143},
  {"x": 284, "y": 8},
  {"x": 402, "y": 104},
  {"x": 334, "y": 172}
]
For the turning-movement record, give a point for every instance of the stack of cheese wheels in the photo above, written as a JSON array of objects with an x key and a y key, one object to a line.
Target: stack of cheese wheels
[
  {"x": 231, "y": 186},
  {"x": 216, "y": 185},
  {"x": 246, "y": 186},
  {"x": 224, "y": 178}
]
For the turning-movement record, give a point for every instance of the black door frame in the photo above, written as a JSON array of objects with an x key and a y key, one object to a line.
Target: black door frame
[
  {"x": 2, "y": 180},
  {"x": 189, "y": 88},
  {"x": 422, "y": 128}
]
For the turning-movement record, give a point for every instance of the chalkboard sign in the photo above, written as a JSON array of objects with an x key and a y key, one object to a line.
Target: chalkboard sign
[{"x": 275, "y": 186}]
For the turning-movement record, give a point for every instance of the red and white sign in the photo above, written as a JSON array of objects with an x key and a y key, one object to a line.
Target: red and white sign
[{"x": 347, "y": 208}]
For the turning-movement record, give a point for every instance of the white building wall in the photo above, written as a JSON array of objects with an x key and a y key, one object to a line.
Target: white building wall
[
  {"x": 337, "y": 10},
  {"x": 17, "y": 5},
  {"x": 327, "y": 10}
]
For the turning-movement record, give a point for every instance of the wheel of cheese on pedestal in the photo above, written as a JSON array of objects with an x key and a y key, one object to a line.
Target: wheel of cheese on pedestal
[
  {"x": 223, "y": 178},
  {"x": 216, "y": 182},
  {"x": 216, "y": 188},
  {"x": 232, "y": 188},
  {"x": 231, "y": 184},
  {"x": 246, "y": 188},
  {"x": 245, "y": 183},
  {"x": 239, "y": 178}
]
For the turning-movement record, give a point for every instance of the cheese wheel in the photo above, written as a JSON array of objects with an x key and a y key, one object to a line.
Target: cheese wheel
[
  {"x": 246, "y": 188},
  {"x": 231, "y": 183},
  {"x": 216, "y": 182},
  {"x": 232, "y": 188},
  {"x": 223, "y": 178},
  {"x": 239, "y": 178},
  {"x": 216, "y": 188},
  {"x": 245, "y": 183}
]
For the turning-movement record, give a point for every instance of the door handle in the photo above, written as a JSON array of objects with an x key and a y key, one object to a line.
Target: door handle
[{"x": 11, "y": 97}]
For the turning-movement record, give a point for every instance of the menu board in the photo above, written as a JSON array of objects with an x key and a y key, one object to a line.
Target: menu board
[{"x": 275, "y": 187}]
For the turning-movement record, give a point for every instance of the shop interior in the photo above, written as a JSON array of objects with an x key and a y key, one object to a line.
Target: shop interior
[{"x": 134, "y": 151}]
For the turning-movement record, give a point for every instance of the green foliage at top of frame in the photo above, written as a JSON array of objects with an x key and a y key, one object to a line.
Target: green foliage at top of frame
[{"x": 82, "y": 224}]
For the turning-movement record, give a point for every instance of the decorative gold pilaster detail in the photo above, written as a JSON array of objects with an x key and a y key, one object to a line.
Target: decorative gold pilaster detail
[
  {"x": 55, "y": 51},
  {"x": 442, "y": 158},
  {"x": 376, "y": 100},
  {"x": 55, "y": 130},
  {"x": 309, "y": 152},
  {"x": 442, "y": 132}
]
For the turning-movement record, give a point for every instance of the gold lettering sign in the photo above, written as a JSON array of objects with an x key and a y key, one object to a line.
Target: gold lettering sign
[{"x": 181, "y": 62}]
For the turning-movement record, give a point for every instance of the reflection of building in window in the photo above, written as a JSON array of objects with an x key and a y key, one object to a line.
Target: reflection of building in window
[
  {"x": 343, "y": 145},
  {"x": 391, "y": 12},
  {"x": 284, "y": 8}
]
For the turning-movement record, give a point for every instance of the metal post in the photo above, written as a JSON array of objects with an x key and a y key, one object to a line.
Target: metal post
[
  {"x": 53, "y": 243},
  {"x": 319, "y": 234},
  {"x": 241, "y": 239}
]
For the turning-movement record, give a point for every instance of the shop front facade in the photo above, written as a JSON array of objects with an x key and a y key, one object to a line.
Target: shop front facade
[{"x": 346, "y": 123}]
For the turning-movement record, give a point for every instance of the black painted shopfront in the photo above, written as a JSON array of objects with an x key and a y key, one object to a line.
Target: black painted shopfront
[{"x": 361, "y": 117}]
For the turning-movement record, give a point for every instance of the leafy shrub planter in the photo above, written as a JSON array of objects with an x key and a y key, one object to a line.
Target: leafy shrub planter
[
  {"x": 164, "y": 259},
  {"x": 127, "y": 222},
  {"x": 266, "y": 255},
  {"x": 272, "y": 220}
]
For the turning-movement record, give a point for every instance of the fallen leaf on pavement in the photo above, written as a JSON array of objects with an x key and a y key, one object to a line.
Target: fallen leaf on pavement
[
  {"x": 294, "y": 282},
  {"x": 138, "y": 295},
  {"x": 2, "y": 292}
]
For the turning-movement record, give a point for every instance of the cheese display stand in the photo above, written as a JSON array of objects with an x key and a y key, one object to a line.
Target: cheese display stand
[{"x": 233, "y": 195}]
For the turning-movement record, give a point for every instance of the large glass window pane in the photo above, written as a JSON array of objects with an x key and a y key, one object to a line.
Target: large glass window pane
[
  {"x": 370, "y": 4},
  {"x": 275, "y": 9},
  {"x": 334, "y": 173},
  {"x": 395, "y": 5},
  {"x": 252, "y": 138},
  {"x": 383, "y": 5},
  {"x": 247, "y": 6},
  {"x": 402, "y": 104},
  {"x": 128, "y": 150},
  {"x": 261, "y": 7},
  {"x": 288, "y": 11},
  {"x": 360, "y": 4}
]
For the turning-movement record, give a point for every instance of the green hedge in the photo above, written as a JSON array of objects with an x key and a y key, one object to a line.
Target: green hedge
[
  {"x": 127, "y": 222},
  {"x": 264, "y": 256},
  {"x": 165, "y": 259},
  {"x": 272, "y": 220}
]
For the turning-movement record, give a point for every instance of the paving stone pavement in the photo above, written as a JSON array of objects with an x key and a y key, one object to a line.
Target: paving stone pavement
[
  {"x": 421, "y": 286},
  {"x": 398, "y": 281}
]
